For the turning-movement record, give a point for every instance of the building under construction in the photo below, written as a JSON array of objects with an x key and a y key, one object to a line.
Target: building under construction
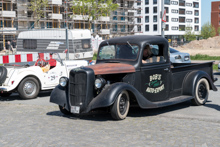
[{"x": 17, "y": 16}]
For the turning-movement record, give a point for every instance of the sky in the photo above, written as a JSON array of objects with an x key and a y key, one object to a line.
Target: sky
[{"x": 206, "y": 11}]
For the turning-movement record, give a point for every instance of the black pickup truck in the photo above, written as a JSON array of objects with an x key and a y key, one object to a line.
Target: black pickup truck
[{"x": 120, "y": 78}]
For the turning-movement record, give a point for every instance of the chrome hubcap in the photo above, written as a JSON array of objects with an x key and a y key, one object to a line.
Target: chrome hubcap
[{"x": 29, "y": 88}]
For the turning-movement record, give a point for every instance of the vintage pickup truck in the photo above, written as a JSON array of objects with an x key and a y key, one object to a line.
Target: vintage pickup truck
[{"x": 120, "y": 79}]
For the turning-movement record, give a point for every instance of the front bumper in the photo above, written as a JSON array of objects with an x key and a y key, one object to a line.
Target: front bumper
[{"x": 4, "y": 89}]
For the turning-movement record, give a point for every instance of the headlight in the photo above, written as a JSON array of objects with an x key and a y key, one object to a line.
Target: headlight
[
  {"x": 99, "y": 83},
  {"x": 63, "y": 81},
  {"x": 178, "y": 57}
]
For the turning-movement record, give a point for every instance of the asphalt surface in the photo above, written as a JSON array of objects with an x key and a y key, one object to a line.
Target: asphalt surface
[{"x": 37, "y": 122}]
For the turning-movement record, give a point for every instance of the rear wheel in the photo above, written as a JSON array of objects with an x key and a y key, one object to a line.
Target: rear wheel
[
  {"x": 120, "y": 108},
  {"x": 29, "y": 88},
  {"x": 64, "y": 111},
  {"x": 201, "y": 92}
]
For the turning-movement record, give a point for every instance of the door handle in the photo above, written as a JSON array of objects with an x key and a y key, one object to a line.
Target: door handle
[{"x": 166, "y": 69}]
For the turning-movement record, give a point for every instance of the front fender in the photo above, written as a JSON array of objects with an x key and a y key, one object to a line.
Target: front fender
[
  {"x": 192, "y": 78},
  {"x": 108, "y": 96},
  {"x": 59, "y": 96}
]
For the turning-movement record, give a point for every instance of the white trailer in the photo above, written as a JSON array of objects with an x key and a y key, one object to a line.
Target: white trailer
[{"x": 53, "y": 40}]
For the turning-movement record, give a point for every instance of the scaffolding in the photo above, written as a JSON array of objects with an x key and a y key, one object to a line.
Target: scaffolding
[{"x": 16, "y": 16}]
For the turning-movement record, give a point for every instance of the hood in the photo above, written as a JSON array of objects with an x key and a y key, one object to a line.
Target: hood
[{"x": 112, "y": 68}]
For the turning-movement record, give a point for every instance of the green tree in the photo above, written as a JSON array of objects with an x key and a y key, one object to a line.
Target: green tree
[
  {"x": 91, "y": 10},
  {"x": 189, "y": 35},
  {"x": 208, "y": 31},
  {"x": 37, "y": 7}
]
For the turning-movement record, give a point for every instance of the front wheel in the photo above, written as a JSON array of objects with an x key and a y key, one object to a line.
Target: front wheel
[
  {"x": 29, "y": 88},
  {"x": 120, "y": 108},
  {"x": 64, "y": 111},
  {"x": 201, "y": 92}
]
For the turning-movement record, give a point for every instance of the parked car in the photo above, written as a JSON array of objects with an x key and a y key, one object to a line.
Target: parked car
[
  {"x": 28, "y": 78},
  {"x": 179, "y": 57},
  {"x": 120, "y": 78}
]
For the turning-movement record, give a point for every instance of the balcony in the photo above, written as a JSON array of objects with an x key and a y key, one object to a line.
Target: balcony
[
  {"x": 104, "y": 31},
  {"x": 80, "y": 17},
  {"x": 7, "y": 13},
  {"x": 104, "y": 18},
  {"x": 8, "y": 30},
  {"x": 55, "y": 2},
  {"x": 55, "y": 16}
]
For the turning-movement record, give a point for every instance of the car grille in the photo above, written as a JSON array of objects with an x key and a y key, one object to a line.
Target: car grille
[{"x": 77, "y": 88}]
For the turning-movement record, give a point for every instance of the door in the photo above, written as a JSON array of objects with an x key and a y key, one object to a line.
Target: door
[{"x": 155, "y": 75}]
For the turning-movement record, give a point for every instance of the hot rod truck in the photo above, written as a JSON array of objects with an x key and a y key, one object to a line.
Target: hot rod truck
[{"x": 120, "y": 78}]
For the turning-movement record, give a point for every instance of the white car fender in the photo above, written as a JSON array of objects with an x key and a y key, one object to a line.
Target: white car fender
[{"x": 21, "y": 74}]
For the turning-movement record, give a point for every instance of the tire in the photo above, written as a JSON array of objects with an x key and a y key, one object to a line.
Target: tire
[
  {"x": 64, "y": 111},
  {"x": 6, "y": 94},
  {"x": 29, "y": 88},
  {"x": 3, "y": 74},
  {"x": 120, "y": 108},
  {"x": 201, "y": 92}
]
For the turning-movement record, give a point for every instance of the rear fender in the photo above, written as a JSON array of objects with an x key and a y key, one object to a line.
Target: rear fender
[
  {"x": 59, "y": 96},
  {"x": 192, "y": 78}
]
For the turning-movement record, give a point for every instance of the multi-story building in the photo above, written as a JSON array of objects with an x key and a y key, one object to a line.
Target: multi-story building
[
  {"x": 180, "y": 15},
  {"x": 215, "y": 15},
  {"x": 16, "y": 16}
]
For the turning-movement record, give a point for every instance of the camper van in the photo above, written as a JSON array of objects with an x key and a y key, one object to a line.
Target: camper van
[{"x": 51, "y": 40}]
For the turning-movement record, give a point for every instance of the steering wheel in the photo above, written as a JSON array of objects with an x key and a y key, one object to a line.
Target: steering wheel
[{"x": 40, "y": 62}]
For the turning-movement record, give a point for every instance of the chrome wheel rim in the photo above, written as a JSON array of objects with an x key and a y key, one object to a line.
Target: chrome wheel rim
[{"x": 29, "y": 88}]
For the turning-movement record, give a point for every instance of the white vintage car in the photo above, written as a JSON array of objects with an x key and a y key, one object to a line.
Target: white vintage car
[{"x": 28, "y": 78}]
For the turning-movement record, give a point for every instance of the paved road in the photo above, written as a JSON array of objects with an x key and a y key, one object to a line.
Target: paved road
[{"x": 39, "y": 123}]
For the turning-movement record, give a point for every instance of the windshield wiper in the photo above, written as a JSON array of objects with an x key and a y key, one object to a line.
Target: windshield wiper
[{"x": 130, "y": 45}]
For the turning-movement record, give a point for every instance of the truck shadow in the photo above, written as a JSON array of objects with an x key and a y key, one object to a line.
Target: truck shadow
[
  {"x": 102, "y": 115},
  {"x": 15, "y": 96}
]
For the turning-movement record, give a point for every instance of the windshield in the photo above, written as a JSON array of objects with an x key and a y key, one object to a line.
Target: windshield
[
  {"x": 121, "y": 52},
  {"x": 173, "y": 50}
]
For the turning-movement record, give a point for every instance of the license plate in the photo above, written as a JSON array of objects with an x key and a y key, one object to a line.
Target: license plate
[{"x": 75, "y": 109}]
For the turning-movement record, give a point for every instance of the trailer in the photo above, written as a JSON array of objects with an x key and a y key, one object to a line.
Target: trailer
[{"x": 53, "y": 40}]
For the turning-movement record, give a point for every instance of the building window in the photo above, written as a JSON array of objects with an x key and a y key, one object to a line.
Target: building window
[
  {"x": 146, "y": 19},
  {"x": 196, "y": 28},
  {"x": 181, "y": 27},
  {"x": 181, "y": 11},
  {"x": 139, "y": 11},
  {"x": 174, "y": 28},
  {"x": 146, "y": 28},
  {"x": 138, "y": 20},
  {"x": 182, "y": 19},
  {"x": 155, "y": 18},
  {"x": 196, "y": 20},
  {"x": 174, "y": 2},
  {"x": 167, "y": 28},
  {"x": 167, "y": 10},
  {"x": 195, "y": 5},
  {"x": 138, "y": 2},
  {"x": 174, "y": 19},
  {"x": 174, "y": 11},
  {"x": 139, "y": 28},
  {"x": 155, "y": 27},
  {"x": 189, "y": 4},
  {"x": 167, "y": 2},
  {"x": 167, "y": 18},
  {"x": 155, "y": 10},
  {"x": 181, "y": 2},
  {"x": 146, "y": 2},
  {"x": 188, "y": 20},
  {"x": 146, "y": 10},
  {"x": 189, "y": 12},
  {"x": 155, "y": 2},
  {"x": 219, "y": 6},
  {"x": 196, "y": 13}
]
